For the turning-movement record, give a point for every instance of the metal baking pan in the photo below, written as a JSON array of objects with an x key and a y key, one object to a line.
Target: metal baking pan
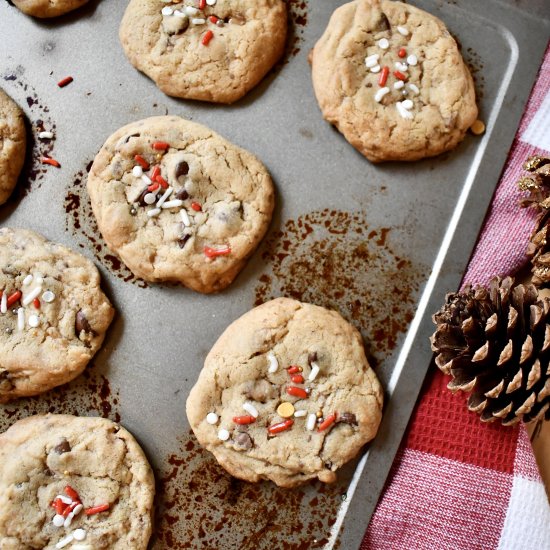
[{"x": 381, "y": 244}]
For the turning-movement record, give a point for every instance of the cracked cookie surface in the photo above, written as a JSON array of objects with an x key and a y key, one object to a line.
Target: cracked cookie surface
[
  {"x": 13, "y": 141},
  {"x": 286, "y": 394},
  {"x": 101, "y": 464},
  {"x": 177, "y": 202},
  {"x": 48, "y": 8},
  {"x": 217, "y": 53},
  {"x": 390, "y": 77},
  {"x": 53, "y": 314}
]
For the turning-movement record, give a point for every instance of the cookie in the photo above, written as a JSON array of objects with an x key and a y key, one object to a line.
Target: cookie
[
  {"x": 48, "y": 8},
  {"x": 213, "y": 50},
  {"x": 286, "y": 394},
  {"x": 53, "y": 314},
  {"x": 390, "y": 77},
  {"x": 13, "y": 141},
  {"x": 177, "y": 202},
  {"x": 90, "y": 470}
]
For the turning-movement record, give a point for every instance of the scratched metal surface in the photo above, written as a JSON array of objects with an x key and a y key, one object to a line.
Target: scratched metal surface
[{"x": 381, "y": 244}]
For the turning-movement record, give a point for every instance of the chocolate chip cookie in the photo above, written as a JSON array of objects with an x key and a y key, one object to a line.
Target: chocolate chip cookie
[
  {"x": 390, "y": 77},
  {"x": 48, "y": 8},
  {"x": 213, "y": 50},
  {"x": 286, "y": 394},
  {"x": 177, "y": 202},
  {"x": 53, "y": 314},
  {"x": 13, "y": 141},
  {"x": 80, "y": 483}
]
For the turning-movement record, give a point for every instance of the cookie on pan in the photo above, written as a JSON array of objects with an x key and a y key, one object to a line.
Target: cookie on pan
[
  {"x": 75, "y": 482},
  {"x": 390, "y": 77},
  {"x": 44, "y": 9},
  {"x": 286, "y": 394},
  {"x": 53, "y": 314},
  {"x": 177, "y": 202},
  {"x": 13, "y": 142},
  {"x": 212, "y": 50}
]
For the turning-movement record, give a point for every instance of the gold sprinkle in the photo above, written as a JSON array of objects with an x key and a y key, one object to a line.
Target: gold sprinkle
[
  {"x": 285, "y": 410},
  {"x": 66, "y": 473},
  {"x": 300, "y": 369},
  {"x": 319, "y": 414},
  {"x": 477, "y": 128},
  {"x": 158, "y": 156}
]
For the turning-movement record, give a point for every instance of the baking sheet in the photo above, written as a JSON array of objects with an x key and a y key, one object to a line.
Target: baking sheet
[{"x": 381, "y": 244}]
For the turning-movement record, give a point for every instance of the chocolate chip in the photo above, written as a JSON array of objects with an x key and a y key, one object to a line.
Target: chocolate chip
[
  {"x": 182, "y": 169},
  {"x": 131, "y": 136},
  {"x": 182, "y": 240},
  {"x": 182, "y": 194},
  {"x": 62, "y": 447},
  {"x": 9, "y": 330},
  {"x": 383, "y": 23},
  {"x": 312, "y": 357},
  {"x": 348, "y": 418},
  {"x": 243, "y": 440},
  {"x": 81, "y": 323}
]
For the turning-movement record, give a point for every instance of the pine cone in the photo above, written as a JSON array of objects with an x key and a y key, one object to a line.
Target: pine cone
[
  {"x": 537, "y": 183},
  {"x": 495, "y": 343}
]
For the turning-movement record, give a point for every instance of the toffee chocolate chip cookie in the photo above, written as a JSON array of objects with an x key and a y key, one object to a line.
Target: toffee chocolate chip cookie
[
  {"x": 213, "y": 50},
  {"x": 177, "y": 202},
  {"x": 390, "y": 77},
  {"x": 286, "y": 394},
  {"x": 13, "y": 141},
  {"x": 53, "y": 314},
  {"x": 48, "y": 8},
  {"x": 80, "y": 483}
]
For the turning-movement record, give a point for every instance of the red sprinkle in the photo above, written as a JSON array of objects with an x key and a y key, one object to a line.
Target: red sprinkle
[
  {"x": 71, "y": 493},
  {"x": 51, "y": 162},
  {"x": 142, "y": 162},
  {"x": 65, "y": 81},
  {"x": 59, "y": 506},
  {"x": 70, "y": 508},
  {"x": 247, "y": 419},
  {"x": 36, "y": 303},
  {"x": 402, "y": 52},
  {"x": 202, "y": 4},
  {"x": 153, "y": 186},
  {"x": 293, "y": 370},
  {"x": 208, "y": 35},
  {"x": 213, "y": 19},
  {"x": 297, "y": 392},
  {"x": 297, "y": 378},
  {"x": 280, "y": 426},
  {"x": 155, "y": 172},
  {"x": 96, "y": 509},
  {"x": 13, "y": 298},
  {"x": 384, "y": 76},
  {"x": 162, "y": 181},
  {"x": 196, "y": 206},
  {"x": 210, "y": 252},
  {"x": 399, "y": 75},
  {"x": 160, "y": 145},
  {"x": 327, "y": 422}
]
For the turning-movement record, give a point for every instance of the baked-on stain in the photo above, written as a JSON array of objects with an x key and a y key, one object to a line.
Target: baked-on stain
[
  {"x": 199, "y": 505},
  {"x": 334, "y": 259},
  {"x": 81, "y": 223},
  {"x": 88, "y": 395},
  {"x": 297, "y": 20}
]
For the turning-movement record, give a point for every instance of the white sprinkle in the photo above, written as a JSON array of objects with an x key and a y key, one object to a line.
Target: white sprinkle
[
  {"x": 407, "y": 104},
  {"x": 4, "y": 303},
  {"x": 223, "y": 434},
  {"x": 372, "y": 60},
  {"x": 64, "y": 499},
  {"x": 273, "y": 363},
  {"x": 45, "y": 135},
  {"x": 212, "y": 418},
  {"x": 384, "y": 43},
  {"x": 63, "y": 542},
  {"x": 381, "y": 93},
  {"x": 34, "y": 293},
  {"x": 176, "y": 203},
  {"x": 58, "y": 520},
  {"x": 77, "y": 509},
  {"x": 414, "y": 88},
  {"x": 375, "y": 69},
  {"x": 211, "y": 2},
  {"x": 412, "y": 59},
  {"x": 68, "y": 520},
  {"x": 403, "y": 30},
  {"x": 185, "y": 217},
  {"x": 198, "y": 21},
  {"x": 153, "y": 212},
  {"x": 398, "y": 85},
  {"x": 20, "y": 319},
  {"x": 167, "y": 10},
  {"x": 314, "y": 372},
  {"x": 301, "y": 412},
  {"x": 79, "y": 534},
  {"x": 190, "y": 10},
  {"x": 402, "y": 111},
  {"x": 251, "y": 409},
  {"x": 401, "y": 66},
  {"x": 137, "y": 171},
  {"x": 149, "y": 198},
  {"x": 146, "y": 179},
  {"x": 311, "y": 421},
  {"x": 27, "y": 280},
  {"x": 48, "y": 296},
  {"x": 165, "y": 195},
  {"x": 179, "y": 14}
]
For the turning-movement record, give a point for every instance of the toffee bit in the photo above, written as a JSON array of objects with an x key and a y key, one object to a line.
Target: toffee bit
[
  {"x": 62, "y": 447},
  {"x": 183, "y": 240},
  {"x": 182, "y": 194},
  {"x": 81, "y": 323},
  {"x": 182, "y": 169},
  {"x": 348, "y": 418},
  {"x": 243, "y": 440}
]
